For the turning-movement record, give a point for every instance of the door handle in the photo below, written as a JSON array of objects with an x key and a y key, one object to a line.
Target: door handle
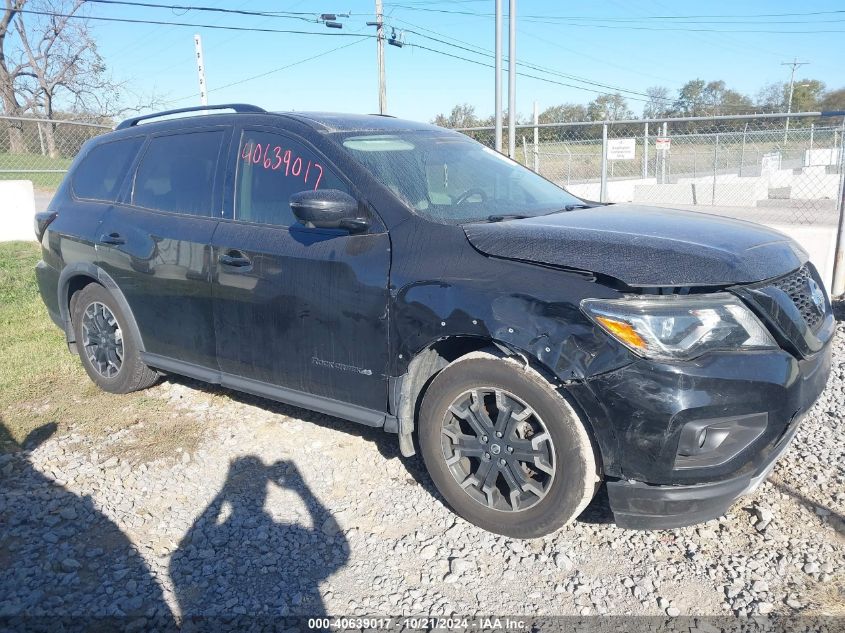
[
  {"x": 112, "y": 238},
  {"x": 235, "y": 258}
]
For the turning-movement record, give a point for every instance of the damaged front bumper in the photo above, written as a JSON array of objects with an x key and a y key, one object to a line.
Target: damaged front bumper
[
  {"x": 641, "y": 506},
  {"x": 688, "y": 439}
]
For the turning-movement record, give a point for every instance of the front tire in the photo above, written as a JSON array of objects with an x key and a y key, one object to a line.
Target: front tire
[
  {"x": 108, "y": 346},
  {"x": 504, "y": 448}
]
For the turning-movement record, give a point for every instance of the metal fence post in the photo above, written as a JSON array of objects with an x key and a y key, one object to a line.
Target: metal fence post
[
  {"x": 41, "y": 138},
  {"x": 715, "y": 167},
  {"x": 812, "y": 133},
  {"x": 603, "y": 188},
  {"x": 838, "y": 287},
  {"x": 536, "y": 138},
  {"x": 663, "y": 159},
  {"x": 645, "y": 151},
  {"x": 742, "y": 150}
]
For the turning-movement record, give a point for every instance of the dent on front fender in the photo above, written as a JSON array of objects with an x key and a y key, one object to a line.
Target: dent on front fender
[{"x": 555, "y": 332}]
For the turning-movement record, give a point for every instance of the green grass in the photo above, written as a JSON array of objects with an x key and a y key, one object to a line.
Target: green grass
[
  {"x": 28, "y": 162},
  {"x": 33, "y": 357},
  {"x": 41, "y": 383},
  {"x": 29, "y": 341}
]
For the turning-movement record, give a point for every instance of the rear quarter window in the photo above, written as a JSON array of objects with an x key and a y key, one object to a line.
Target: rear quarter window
[{"x": 101, "y": 172}]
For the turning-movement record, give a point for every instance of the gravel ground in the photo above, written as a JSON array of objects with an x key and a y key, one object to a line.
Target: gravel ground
[{"x": 282, "y": 511}]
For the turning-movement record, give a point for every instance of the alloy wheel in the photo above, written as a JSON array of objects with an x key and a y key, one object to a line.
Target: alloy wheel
[
  {"x": 498, "y": 449},
  {"x": 102, "y": 339}
]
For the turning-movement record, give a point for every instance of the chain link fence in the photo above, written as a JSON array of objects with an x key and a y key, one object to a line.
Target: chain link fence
[
  {"x": 41, "y": 150},
  {"x": 766, "y": 168},
  {"x": 777, "y": 169}
]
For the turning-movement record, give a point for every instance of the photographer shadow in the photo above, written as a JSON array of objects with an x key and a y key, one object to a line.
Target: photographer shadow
[
  {"x": 237, "y": 560},
  {"x": 65, "y": 564}
]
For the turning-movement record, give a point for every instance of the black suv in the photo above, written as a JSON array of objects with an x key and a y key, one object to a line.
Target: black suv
[{"x": 406, "y": 277}]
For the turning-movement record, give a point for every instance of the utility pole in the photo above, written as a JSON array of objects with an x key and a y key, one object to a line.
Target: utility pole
[
  {"x": 382, "y": 87},
  {"x": 498, "y": 65},
  {"x": 795, "y": 64},
  {"x": 512, "y": 79},
  {"x": 201, "y": 70}
]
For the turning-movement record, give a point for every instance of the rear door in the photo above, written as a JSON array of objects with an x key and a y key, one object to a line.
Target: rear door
[
  {"x": 156, "y": 243},
  {"x": 301, "y": 309}
]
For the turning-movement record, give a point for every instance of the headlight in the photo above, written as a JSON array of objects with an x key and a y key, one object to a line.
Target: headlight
[{"x": 679, "y": 327}]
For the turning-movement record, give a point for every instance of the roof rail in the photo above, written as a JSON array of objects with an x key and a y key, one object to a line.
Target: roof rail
[{"x": 237, "y": 107}]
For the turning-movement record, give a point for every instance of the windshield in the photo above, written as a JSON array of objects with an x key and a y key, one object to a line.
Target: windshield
[{"x": 449, "y": 178}]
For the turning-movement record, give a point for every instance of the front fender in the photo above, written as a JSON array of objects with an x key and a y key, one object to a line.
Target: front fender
[{"x": 554, "y": 332}]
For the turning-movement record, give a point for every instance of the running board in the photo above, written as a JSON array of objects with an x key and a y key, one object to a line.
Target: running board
[{"x": 321, "y": 404}]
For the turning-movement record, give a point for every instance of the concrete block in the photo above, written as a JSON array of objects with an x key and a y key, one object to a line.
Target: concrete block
[
  {"x": 681, "y": 193},
  {"x": 733, "y": 194},
  {"x": 17, "y": 210},
  {"x": 820, "y": 244}
]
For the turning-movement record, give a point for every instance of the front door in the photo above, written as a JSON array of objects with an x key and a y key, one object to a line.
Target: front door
[{"x": 297, "y": 308}]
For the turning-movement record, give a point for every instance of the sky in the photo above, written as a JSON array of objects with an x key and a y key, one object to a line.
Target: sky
[{"x": 628, "y": 45}]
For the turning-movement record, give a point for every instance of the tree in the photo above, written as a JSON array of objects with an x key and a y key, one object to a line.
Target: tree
[
  {"x": 772, "y": 97},
  {"x": 63, "y": 64},
  {"x": 50, "y": 66},
  {"x": 806, "y": 95},
  {"x": 462, "y": 115},
  {"x": 563, "y": 113},
  {"x": 11, "y": 72},
  {"x": 691, "y": 99},
  {"x": 609, "y": 107},
  {"x": 719, "y": 100},
  {"x": 659, "y": 104},
  {"x": 833, "y": 100}
]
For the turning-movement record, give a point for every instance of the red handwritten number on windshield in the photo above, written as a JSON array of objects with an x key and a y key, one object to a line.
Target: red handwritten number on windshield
[{"x": 272, "y": 159}]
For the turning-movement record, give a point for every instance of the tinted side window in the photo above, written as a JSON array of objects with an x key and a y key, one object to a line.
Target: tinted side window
[
  {"x": 101, "y": 172},
  {"x": 177, "y": 173},
  {"x": 271, "y": 168}
]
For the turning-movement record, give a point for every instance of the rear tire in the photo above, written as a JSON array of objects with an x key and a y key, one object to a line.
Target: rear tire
[
  {"x": 504, "y": 448},
  {"x": 107, "y": 345}
]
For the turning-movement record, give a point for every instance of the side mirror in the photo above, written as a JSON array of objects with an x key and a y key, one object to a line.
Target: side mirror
[{"x": 328, "y": 209}]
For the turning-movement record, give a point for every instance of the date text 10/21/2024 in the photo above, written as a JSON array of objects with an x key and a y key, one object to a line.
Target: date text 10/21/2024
[{"x": 272, "y": 157}]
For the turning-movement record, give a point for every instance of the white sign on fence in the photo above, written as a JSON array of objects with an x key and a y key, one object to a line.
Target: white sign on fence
[
  {"x": 620, "y": 148},
  {"x": 662, "y": 143},
  {"x": 770, "y": 162}
]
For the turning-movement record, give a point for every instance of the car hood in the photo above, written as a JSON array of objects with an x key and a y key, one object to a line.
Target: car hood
[{"x": 644, "y": 246}]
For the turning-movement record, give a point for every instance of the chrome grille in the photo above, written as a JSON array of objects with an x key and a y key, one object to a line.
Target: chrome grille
[{"x": 797, "y": 286}]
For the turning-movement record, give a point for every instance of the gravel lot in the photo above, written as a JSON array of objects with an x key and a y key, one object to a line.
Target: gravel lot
[{"x": 275, "y": 510}]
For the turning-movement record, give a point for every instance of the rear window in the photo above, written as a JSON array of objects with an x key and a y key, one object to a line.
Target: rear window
[
  {"x": 176, "y": 173},
  {"x": 101, "y": 172}
]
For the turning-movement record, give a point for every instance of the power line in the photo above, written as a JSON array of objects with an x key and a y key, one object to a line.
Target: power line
[
  {"x": 616, "y": 89},
  {"x": 279, "y": 69},
  {"x": 622, "y": 19},
  {"x": 189, "y": 24},
  {"x": 521, "y": 74},
  {"x": 562, "y": 20},
  {"x": 178, "y": 7},
  {"x": 537, "y": 67},
  {"x": 689, "y": 30}
]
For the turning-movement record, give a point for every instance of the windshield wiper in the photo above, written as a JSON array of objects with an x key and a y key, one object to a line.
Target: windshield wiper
[
  {"x": 572, "y": 207},
  {"x": 507, "y": 216}
]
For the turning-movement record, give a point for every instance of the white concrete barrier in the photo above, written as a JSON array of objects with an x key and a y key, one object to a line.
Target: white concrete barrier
[
  {"x": 733, "y": 194},
  {"x": 617, "y": 190},
  {"x": 17, "y": 210},
  {"x": 820, "y": 244},
  {"x": 669, "y": 194}
]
